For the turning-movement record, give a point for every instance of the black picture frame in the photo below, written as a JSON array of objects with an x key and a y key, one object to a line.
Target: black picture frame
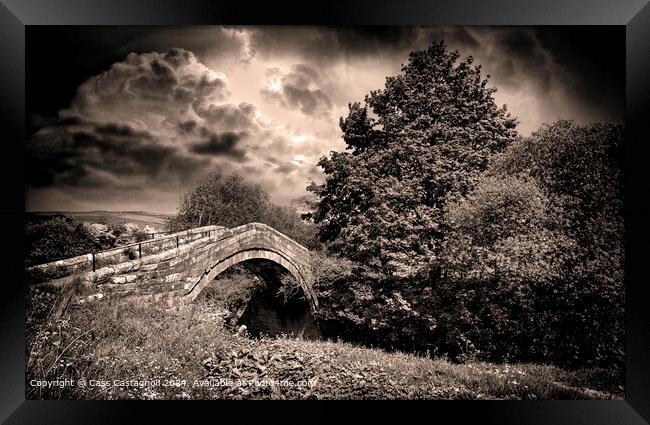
[{"x": 15, "y": 15}]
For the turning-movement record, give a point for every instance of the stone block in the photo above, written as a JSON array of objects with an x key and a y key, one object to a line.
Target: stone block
[{"x": 181, "y": 272}]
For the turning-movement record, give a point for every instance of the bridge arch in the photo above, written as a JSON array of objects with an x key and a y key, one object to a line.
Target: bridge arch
[
  {"x": 176, "y": 267},
  {"x": 222, "y": 264}
]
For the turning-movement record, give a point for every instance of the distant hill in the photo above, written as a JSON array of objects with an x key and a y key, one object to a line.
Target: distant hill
[{"x": 141, "y": 218}]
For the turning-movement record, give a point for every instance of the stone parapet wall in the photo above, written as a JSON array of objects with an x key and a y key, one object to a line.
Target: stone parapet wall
[
  {"x": 175, "y": 269},
  {"x": 62, "y": 271}
]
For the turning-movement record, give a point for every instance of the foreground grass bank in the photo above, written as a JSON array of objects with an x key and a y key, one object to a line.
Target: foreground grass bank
[{"x": 124, "y": 351}]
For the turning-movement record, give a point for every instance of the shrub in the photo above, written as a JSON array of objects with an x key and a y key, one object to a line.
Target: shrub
[
  {"x": 230, "y": 201},
  {"x": 530, "y": 267},
  {"x": 56, "y": 238},
  {"x": 538, "y": 246},
  {"x": 231, "y": 289}
]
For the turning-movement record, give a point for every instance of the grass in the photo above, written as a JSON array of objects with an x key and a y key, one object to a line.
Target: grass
[
  {"x": 189, "y": 354},
  {"x": 141, "y": 218}
]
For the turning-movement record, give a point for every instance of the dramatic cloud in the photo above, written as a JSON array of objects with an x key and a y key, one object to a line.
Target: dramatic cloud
[
  {"x": 129, "y": 129},
  {"x": 186, "y": 126},
  {"x": 148, "y": 87},
  {"x": 130, "y": 118},
  {"x": 157, "y": 122},
  {"x": 541, "y": 73},
  {"x": 111, "y": 155},
  {"x": 299, "y": 89},
  {"x": 229, "y": 116},
  {"x": 218, "y": 144},
  {"x": 327, "y": 45}
]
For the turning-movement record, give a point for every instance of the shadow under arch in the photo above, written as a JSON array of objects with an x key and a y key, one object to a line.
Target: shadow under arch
[
  {"x": 302, "y": 277},
  {"x": 262, "y": 307}
]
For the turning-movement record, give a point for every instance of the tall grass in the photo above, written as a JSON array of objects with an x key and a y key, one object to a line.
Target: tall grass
[{"x": 121, "y": 340}]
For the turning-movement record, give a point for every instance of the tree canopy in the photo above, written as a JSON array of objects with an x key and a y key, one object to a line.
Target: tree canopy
[
  {"x": 466, "y": 238},
  {"x": 230, "y": 201},
  {"x": 415, "y": 145},
  {"x": 220, "y": 199}
]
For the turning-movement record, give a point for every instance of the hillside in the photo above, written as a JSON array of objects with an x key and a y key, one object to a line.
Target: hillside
[
  {"x": 140, "y": 218},
  {"x": 129, "y": 351}
]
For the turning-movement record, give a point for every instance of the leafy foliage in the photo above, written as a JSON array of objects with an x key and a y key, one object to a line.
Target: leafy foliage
[
  {"x": 224, "y": 200},
  {"x": 551, "y": 288},
  {"x": 436, "y": 127},
  {"x": 107, "y": 341},
  {"x": 230, "y": 201},
  {"x": 231, "y": 291},
  {"x": 465, "y": 239},
  {"x": 56, "y": 238}
]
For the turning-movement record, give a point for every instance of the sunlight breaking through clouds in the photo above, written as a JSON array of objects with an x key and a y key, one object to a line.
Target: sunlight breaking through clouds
[{"x": 265, "y": 102}]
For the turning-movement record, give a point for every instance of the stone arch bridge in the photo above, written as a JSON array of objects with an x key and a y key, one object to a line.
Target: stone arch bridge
[{"x": 175, "y": 268}]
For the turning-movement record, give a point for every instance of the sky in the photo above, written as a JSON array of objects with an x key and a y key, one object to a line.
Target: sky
[{"x": 130, "y": 118}]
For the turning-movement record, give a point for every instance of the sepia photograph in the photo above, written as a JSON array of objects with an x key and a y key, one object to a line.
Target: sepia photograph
[{"x": 324, "y": 212}]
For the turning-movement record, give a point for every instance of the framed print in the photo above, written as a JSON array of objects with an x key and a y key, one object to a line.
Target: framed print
[{"x": 364, "y": 201}]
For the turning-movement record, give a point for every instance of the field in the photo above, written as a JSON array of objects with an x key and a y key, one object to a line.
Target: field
[
  {"x": 128, "y": 351},
  {"x": 140, "y": 218}
]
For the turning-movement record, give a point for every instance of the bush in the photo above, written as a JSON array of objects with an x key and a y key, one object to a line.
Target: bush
[
  {"x": 537, "y": 249},
  {"x": 140, "y": 235},
  {"x": 358, "y": 304},
  {"x": 230, "y": 201},
  {"x": 531, "y": 265},
  {"x": 56, "y": 238},
  {"x": 232, "y": 289},
  {"x": 561, "y": 280},
  {"x": 51, "y": 239}
]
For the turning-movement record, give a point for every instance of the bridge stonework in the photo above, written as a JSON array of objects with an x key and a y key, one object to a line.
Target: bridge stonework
[{"x": 175, "y": 268}]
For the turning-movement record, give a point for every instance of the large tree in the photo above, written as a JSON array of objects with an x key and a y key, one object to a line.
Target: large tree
[
  {"x": 224, "y": 200},
  {"x": 414, "y": 146},
  {"x": 230, "y": 201}
]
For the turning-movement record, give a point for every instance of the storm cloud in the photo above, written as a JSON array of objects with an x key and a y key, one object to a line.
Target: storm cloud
[
  {"x": 229, "y": 116},
  {"x": 105, "y": 155},
  {"x": 151, "y": 85},
  {"x": 219, "y": 144},
  {"x": 298, "y": 89},
  {"x": 133, "y": 117}
]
